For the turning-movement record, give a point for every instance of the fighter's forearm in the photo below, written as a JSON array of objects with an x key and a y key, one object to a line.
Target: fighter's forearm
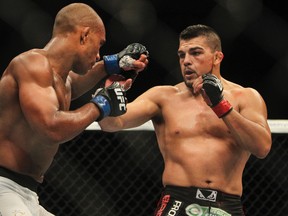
[
  {"x": 82, "y": 83},
  {"x": 111, "y": 124}
]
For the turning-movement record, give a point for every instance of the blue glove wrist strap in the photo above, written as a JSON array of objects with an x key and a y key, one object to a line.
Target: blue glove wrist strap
[
  {"x": 103, "y": 104},
  {"x": 111, "y": 64}
]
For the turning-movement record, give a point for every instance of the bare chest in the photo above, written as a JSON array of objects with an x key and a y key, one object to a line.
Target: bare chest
[{"x": 192, "y": 117}]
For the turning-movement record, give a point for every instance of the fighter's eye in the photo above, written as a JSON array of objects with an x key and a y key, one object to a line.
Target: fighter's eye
[{"x": 181, "y": 55}]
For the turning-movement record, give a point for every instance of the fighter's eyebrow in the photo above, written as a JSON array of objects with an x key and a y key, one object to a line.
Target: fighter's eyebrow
[{"x": 191, "y": 49}]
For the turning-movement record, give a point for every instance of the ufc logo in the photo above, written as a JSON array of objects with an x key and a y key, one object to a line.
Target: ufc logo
[{"x": 121, "y": 98}]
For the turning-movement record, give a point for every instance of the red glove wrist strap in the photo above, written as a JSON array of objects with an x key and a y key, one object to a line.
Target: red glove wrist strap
[{"x": 222, "y": 108}]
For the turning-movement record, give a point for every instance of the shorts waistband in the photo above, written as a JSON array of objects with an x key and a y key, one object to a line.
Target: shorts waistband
[
  {"x": 205, "y": 194},
  {"x": 23, "y": 180}
]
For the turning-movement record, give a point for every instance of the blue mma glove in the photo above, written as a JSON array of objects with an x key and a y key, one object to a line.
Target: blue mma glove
[
  {"x": 111, "y": 100},
  {"x": 117, "y": 63}
]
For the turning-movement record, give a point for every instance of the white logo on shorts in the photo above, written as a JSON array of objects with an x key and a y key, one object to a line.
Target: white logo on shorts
[{"x": 211, "y": 197}]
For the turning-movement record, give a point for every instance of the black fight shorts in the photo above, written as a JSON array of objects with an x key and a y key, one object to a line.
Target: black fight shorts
[{"x": 191, "y": 201}]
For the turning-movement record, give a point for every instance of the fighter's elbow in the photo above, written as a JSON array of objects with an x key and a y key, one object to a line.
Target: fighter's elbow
[{"x": 263, "y": 151}]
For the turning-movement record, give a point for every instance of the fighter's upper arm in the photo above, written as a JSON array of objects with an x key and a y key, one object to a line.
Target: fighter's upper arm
[
  {"x": 37, "y": 96},
  {"x": 143, "y": 108},
  {"x": 252, "y": 106}
]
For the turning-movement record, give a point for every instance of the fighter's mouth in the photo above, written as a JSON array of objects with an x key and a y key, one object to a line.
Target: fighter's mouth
[{"x": 190, "y": 74}]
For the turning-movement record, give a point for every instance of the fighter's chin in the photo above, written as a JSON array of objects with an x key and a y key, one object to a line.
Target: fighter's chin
[{"x": 188, "y": 84}]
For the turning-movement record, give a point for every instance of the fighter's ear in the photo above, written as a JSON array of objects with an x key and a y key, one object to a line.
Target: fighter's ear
[
  {"x": 218, "y": 57},
  {"x": 84, "y": 34}
]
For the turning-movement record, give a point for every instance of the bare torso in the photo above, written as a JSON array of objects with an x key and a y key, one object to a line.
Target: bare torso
[
  {"x": 196, "y": 145},
  {"x": 22, "y": 149}
]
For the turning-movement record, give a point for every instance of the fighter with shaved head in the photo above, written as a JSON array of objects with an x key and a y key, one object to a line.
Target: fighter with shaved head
[{"x": 36, "y": 90}]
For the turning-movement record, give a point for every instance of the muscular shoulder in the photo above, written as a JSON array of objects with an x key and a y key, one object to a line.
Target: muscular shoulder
[
  {"x": 30, "y": 64},
  {"x": 242, "y": 96},
  {"x": 238, "y": 90}
]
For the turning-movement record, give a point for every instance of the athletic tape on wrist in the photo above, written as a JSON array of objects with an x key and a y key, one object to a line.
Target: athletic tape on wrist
[
  {"x": 111, "y": 64},
  {"x": 222, "y": 108}
]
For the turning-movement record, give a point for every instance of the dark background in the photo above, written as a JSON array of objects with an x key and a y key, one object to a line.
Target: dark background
[{"x": 254, "y": 38}]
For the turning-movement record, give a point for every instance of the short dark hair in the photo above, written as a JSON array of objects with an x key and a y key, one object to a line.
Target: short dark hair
[{"x": 199, "y": 30}]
